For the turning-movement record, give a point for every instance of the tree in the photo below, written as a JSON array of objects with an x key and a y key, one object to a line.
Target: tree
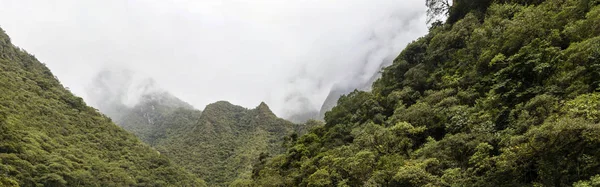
[{"x": 436, "y": 8}]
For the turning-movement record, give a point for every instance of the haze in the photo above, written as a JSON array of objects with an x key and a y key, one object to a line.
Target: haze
[{"x": 288, "y": 53}]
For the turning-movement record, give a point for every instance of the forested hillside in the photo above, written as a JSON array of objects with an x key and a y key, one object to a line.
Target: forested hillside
[
  {"x": 504, "y": 93},
  {"x": 218, "y": 144},
  {"x": 49, "y": 137}
]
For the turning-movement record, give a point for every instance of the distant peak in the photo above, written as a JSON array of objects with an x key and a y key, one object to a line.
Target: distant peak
[
  {"x": 221, "y": 103},
  {"x": 263, "y": 108},
  {"x": 164, "y": 99},
  {"x": 218, "y": 104},
  {"x": 263, "y": 104},
  {"x": 221, "y": 106}
]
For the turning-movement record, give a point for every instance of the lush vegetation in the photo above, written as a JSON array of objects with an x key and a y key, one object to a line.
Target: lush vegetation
[
  {"x": 49, "y": 137},
  {"x": 504, "y": 93},
  {"x": 219, "y": 144}
]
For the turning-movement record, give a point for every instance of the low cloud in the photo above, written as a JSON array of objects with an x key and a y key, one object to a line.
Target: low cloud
[{"x": 290, "y": 54}]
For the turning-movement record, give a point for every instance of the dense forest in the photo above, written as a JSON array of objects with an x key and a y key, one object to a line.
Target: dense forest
[
  {"x": 503, "y": 93},
  {"x": 499, "y": 93},
  {"x": 218, "y": 144},
  {"x": 49, "y": 137}
]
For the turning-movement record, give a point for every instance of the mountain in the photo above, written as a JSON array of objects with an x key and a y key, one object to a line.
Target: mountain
[
  {"x": 504, "y": 93},
  {"x": 225, "y": 141},
  {"x": 49, "y": 137},
  {"x": 135, "y": 103},
  {"x": 149, "y": 120},
  {"x": 218, "y": 144}
]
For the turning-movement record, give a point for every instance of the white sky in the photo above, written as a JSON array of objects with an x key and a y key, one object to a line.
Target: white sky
[{"x": 242, "y": 51}]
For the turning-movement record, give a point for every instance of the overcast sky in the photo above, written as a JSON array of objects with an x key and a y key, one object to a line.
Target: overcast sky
[{"x": 202, "y": 51}]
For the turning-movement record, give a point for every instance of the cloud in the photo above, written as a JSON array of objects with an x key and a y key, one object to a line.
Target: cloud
[
  {"x": 289, "y": 53},
  {"x": 122, "y": 87}
]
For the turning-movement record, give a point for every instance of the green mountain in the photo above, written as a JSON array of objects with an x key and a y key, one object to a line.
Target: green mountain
[
  {"x": 49, "y": 137},
  {"x": 226, "y": 140},
  {"x": 504, "y": 93},
  {"x": 218, "y": 144}
]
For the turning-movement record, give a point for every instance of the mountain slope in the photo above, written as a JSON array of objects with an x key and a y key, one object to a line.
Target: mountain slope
[
  {"x": 49, "y": 137},
  {"x": 503, "y": 94}
]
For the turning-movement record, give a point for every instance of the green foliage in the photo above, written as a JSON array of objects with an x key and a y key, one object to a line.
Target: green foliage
[
  {"x": 586, "y": 106},
  {"x": 8, "y": 182},
  {"x": 460, "y": 8},
  {"x": 49, "y": 137},
  {"x": 502, "y": 94},
  {"x": 558, "y": 152},
  {"x": 593, "y": 182}
]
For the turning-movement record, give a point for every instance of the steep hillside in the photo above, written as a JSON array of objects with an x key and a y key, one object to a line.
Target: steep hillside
[
  {"x": 505, "y": 93},
  {"x": 49, "y": 137}
]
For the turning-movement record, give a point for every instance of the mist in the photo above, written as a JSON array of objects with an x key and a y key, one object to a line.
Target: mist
[{"x": 290, "y": 54}]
